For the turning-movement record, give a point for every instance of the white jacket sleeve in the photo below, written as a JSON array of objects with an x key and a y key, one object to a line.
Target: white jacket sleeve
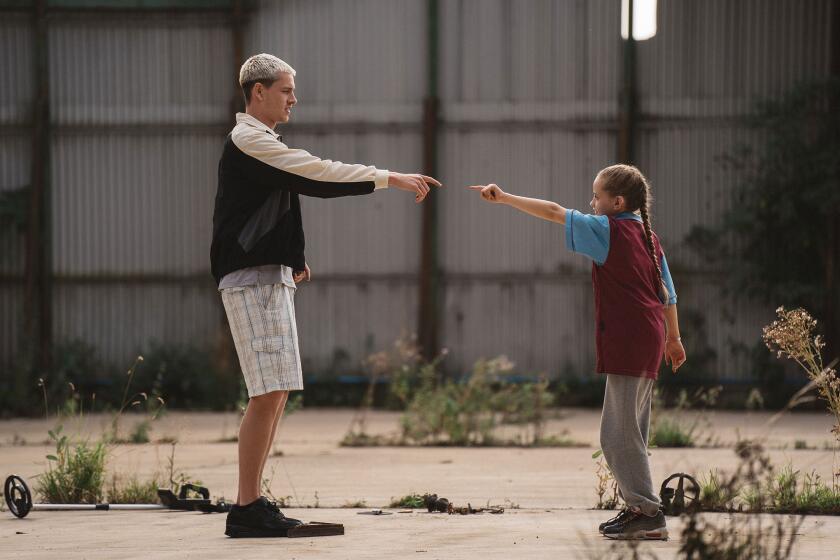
[{"x": 275, "y": 153}]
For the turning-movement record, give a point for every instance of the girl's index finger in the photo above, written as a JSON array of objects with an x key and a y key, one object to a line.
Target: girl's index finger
[{"x": 476, "y": 187}]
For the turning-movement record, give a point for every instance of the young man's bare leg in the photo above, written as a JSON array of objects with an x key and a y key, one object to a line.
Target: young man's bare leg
[
  {"x": 280, "y": 408},
  {"x": 255, "y": 432}
]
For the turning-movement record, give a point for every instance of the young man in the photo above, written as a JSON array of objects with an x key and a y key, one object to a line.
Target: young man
[{"x": 257, "y": 258}]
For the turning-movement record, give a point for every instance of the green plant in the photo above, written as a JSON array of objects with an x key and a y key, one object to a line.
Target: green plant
[
  {"x": 818, "y": 497},
  {"x": 739, "y": 536},
  {"x": 403, "y": 366},
  {"x": 467, "y": 413},
  {"x": 440, "y": 411},
  {"x": 606, "y": 486},
  {"x": 763, "y": 490},
  {"x": 130, "y": 490},
  {"x": 681, "y": 426},
  {"x": 266, "y": 483},
  {"x": 176, "y": 477},
  {"x": 714, "y": 495},
  {"x": 74, "y": 474},
  {"x": 409, "y": 501},
  {"x": 140, "y": 433},
  {"x": 783, "y": 490},
  {"x": 668, "y": 432}
]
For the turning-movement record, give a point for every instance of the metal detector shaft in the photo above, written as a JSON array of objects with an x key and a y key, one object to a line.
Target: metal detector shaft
[{"x": 92, "y": 507}]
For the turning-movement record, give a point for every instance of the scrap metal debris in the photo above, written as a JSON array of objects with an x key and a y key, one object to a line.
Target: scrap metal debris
[{"x": 442, "y": 505}]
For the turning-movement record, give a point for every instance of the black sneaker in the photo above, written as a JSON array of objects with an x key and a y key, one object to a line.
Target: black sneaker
[
  {"x": 272, "y": 505},
  {"x": 617, "y": 519},
  {"x": 637, "y": 525},
  {"x": 260, "y": 518}
]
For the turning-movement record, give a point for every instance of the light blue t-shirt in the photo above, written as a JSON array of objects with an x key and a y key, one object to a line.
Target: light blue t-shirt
[{"x": 589, "y": 235}]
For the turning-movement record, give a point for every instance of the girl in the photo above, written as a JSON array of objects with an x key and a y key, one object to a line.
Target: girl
[{"x": 635, "y": 324}]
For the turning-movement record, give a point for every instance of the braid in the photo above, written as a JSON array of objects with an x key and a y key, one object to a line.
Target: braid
[{"x": 643, "y": 210}]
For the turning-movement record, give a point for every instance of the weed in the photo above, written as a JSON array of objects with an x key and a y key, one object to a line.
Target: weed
[
  {"x": 74, "y": 475},
  {"x": 669, "y": 432},
  {"x": 132, "y": 491},
  {"x": 792, "y": 336},
  {"x": 607, "y": 486},
  {"x": 409, "y": 501}
]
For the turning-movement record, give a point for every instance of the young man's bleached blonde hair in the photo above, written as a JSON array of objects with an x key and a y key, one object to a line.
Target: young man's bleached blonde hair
[{"x": 262, "y": 68}]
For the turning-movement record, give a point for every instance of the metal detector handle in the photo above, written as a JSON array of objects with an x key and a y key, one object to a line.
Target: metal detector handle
[{"x": 182, "y": 494}]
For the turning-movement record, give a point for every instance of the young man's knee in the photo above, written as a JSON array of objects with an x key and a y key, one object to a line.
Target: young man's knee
[{"x": 273, "y": 398}]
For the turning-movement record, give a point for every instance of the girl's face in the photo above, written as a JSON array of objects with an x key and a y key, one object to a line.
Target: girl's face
[{"x": 603, "y": 203}]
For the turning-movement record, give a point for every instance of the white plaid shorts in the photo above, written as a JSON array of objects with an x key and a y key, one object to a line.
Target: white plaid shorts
[{"x": 262, "y": 322}]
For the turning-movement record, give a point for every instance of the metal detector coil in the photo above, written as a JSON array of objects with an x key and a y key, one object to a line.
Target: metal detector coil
[
  {"x": 682, "y": 498},
  {"x": 18, "y": 497}
]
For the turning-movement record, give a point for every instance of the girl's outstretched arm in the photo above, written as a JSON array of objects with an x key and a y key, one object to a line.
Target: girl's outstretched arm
[{"x": 544, "y": 209}]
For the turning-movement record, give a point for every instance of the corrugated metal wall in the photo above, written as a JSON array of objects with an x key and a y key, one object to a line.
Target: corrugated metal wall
[
  {"x": 139, "y": 105},
  {"x": 15, "y": 168},
  {"x": 529, "y": 91}
]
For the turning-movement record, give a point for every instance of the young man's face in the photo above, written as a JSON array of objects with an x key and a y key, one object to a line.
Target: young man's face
[
  {"x": 603, "y": 203},
  {"x": 278, "y": 99}
]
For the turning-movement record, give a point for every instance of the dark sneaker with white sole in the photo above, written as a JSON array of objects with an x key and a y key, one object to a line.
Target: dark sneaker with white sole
[
  {"x": 259, "y": 519},
  {"x": 621, "y": 515},
  {"x": 638, "y": 526}
]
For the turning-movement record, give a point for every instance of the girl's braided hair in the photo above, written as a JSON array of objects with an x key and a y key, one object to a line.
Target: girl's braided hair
[{"x": 627, "y": 181}]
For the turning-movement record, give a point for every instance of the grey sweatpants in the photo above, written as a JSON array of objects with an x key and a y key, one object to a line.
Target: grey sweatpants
[{"x": 625, "y": 422}]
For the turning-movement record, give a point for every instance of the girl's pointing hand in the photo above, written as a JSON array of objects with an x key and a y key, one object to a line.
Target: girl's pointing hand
[{"x": 490, "y": 193}]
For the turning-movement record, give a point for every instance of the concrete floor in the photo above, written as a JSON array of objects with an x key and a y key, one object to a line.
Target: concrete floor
[{"x": 548, "y": 492}]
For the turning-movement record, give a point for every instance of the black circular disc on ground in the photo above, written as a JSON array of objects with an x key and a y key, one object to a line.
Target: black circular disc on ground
[
  {"x": 686, "y": 494},
  {"x": 18, "y": 497}
]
